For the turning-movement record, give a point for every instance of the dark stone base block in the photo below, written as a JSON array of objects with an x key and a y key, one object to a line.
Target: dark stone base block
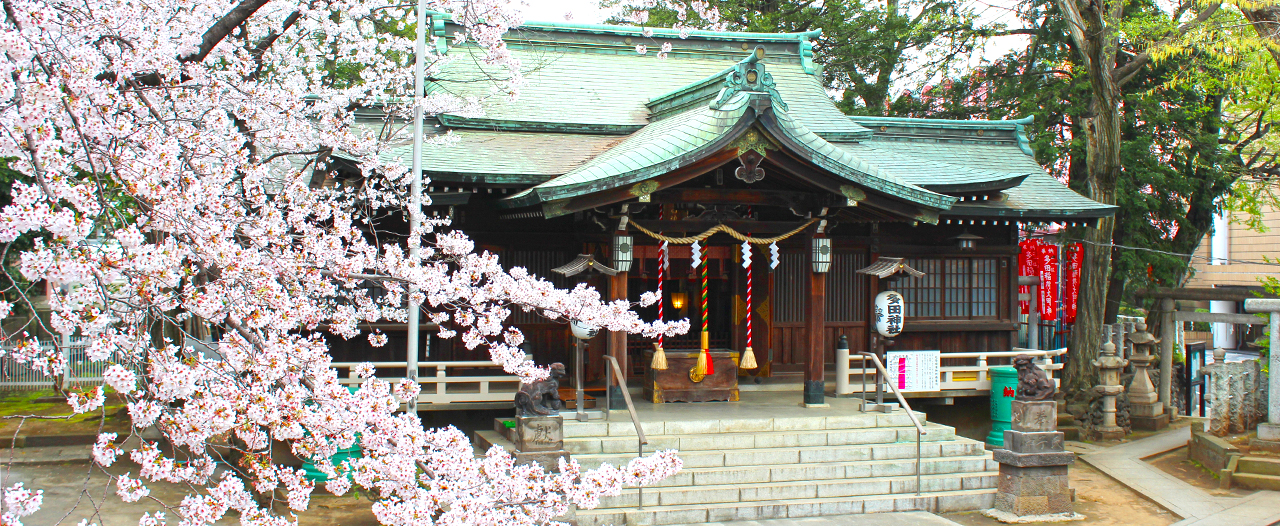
[
  {"x": 1150, "y": 423},
  {"x": 1026, "y": 491},
  {"x": 1030, "y": 460},
  {"x": 814, "y": 392},
  {"x": 1038, "y": 442},
  {"x": 615, "y": 399}
]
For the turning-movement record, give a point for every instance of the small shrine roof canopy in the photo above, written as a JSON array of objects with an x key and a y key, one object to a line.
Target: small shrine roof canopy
[
  {"x": 885, "y": 267},
  {"x": 597, "y": 123}
]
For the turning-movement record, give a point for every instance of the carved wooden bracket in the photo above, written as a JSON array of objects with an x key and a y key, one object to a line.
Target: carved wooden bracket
[{"x": 750, "y": 171}]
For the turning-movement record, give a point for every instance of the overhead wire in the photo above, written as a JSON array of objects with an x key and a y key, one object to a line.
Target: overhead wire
[{"x": 1178, "y": 254}]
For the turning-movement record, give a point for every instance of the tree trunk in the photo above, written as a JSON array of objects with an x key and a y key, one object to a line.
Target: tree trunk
[
  {"x": 1115, "y": 292},
  {"x": 1102, "y": 135}
]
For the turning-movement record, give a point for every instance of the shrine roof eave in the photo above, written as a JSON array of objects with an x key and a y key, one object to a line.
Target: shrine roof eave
[
  {"x": 995, "y": 185},
  {"x": 1047, "y": 214},
  {"x": 696, "y": 134}
]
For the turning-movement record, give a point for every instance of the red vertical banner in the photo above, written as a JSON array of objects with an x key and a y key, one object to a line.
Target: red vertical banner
[
  {"x": 1028, "y": 256},
  {"x": 1048, "y": 267},
  {"x": 1071, "y": 285}
]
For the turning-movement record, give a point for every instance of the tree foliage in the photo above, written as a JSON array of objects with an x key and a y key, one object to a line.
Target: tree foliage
[{"x": 866, "y": 49}]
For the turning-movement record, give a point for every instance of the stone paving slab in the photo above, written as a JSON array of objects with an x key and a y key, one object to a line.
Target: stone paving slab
[
  {"x": 45, "y": 455},
  {"x": 1196, "y": 506},
  {"x": 909, "y": 518}
]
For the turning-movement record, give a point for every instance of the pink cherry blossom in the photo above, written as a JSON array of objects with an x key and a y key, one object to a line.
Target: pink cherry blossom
[{"x": 170, "y": 184}]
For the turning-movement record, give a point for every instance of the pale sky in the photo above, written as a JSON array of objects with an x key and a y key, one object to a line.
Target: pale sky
[{"x": 590, "y": 12}]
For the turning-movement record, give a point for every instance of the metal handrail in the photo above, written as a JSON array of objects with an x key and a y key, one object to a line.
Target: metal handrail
[
  {"x": 631, "y": 409},
  {"x": 902, "y": 402}
]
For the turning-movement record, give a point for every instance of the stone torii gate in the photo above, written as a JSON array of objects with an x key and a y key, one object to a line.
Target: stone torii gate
[
  {"x": 1269, "y": 433},
  {"x": 1169, "y": 316}
]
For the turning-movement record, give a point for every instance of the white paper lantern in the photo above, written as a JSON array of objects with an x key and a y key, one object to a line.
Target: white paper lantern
[
  {"x": 582, "y": 331},
  {"x": 890, "y": 311}
]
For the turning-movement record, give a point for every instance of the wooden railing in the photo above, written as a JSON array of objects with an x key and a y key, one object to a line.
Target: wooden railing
[
  {"x": 964, "y": 377},
  {"x": 439, "y": 387}
]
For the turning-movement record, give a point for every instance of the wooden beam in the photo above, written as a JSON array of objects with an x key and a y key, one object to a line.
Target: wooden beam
[
  {"x": 911, "y": 326},
  {"x": 696, "y": 226},
  {"x": 1200, "y": 294},
  {"x": 1220, "y": 317},
  {"x": 741, "y": 196}
]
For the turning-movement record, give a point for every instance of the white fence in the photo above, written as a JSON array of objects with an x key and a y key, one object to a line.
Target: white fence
[
  {"x": 973, "y": 376},
  {"x": 440, "y": 387},
  {"x": 15, "y": 376}
]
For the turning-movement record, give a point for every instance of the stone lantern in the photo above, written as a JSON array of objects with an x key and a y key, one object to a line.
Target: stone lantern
[
  {"x": 1109, "y": 366},
  {"x": 1146, "y": 410}
]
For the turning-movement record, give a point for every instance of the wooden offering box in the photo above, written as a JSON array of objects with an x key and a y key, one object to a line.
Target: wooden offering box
[{"x": 674, "y": 384}]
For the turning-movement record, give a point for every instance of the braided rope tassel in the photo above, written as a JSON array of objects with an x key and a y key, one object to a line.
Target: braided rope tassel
[
  {"x": 748, "y": 356},
  {"x": 659, "y": 362},
  {"x": 706, "y": 318}
]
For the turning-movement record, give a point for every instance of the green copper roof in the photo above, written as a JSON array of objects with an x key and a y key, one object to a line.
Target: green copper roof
[
  {"x": 594, "y": 115},
  {"x": 693, "y": 134},
  {"x": 496, "y": 157},
  {"x": 963, "y": 156},
  {"x": 604, "y": 86}
]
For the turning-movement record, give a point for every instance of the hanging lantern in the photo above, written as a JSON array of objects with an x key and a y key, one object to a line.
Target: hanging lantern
[
  {"x": 677, "y": 300},
  {"x": 967, "y": 241},
  {"x": 622, "y": 252},
  {"x": 889, "y": 313},
  {"x": 821, "y": 254},
  {"x": 582, "y": 331}
]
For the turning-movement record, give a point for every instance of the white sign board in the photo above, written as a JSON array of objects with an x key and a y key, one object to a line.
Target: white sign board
[{"x": 914, "y": 371}]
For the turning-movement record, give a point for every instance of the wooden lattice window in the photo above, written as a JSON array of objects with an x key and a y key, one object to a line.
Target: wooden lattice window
[
  {"x": 952, "y": 288},
  {"x": 846, "y": 289},
  {"x": 791, "y": 287}
]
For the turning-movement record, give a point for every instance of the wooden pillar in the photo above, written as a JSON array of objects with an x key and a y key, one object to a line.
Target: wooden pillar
[
  {"x": 618, "y": 339},
  {"x": 815, "y": 325}
]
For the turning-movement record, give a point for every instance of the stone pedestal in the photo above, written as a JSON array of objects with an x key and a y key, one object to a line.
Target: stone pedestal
[
  {"x": 540, "y": 439},
  {"x": 1145, "y": 409},
  {"x": 1033, "y": 468},
  {"x": 1109, "y": 366}
]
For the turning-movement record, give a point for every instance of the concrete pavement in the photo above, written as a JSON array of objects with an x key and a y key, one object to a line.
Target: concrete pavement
[{"x": 1196, "y": 506}]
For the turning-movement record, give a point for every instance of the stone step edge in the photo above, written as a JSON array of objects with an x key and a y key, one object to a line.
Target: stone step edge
[
  {"x": 785, "y": 502},
  {"x": 740, "y": 423},
  {"x": 632, "y": 434},
  {"x": 818, "y": 482},
  {"x": 843, "y": 463},
  {"x": 493, "y": 438},
  {"x": 711, "y": 443},
  {"x": 1256, "y": 481},
  {"x": 924, "y": 445}
]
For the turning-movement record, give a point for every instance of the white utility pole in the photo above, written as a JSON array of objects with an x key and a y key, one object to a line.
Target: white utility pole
[{"x": 415, "y": 196}]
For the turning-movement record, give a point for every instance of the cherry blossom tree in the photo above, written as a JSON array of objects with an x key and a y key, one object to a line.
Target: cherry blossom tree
[{"x": 166, "y": 151}]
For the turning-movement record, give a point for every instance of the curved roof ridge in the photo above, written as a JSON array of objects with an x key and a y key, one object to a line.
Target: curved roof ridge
[
  {"x": 702, "y": 129},
  {"x": 663, "y": 32}
]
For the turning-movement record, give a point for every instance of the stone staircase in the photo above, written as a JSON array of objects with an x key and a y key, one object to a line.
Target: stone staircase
[
  {"x": 1257, "y": 473},
  {"x": 781, "y": 467}
]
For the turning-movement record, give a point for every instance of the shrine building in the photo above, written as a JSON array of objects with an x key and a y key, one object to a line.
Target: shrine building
[{"x": 608, "y": 152}]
